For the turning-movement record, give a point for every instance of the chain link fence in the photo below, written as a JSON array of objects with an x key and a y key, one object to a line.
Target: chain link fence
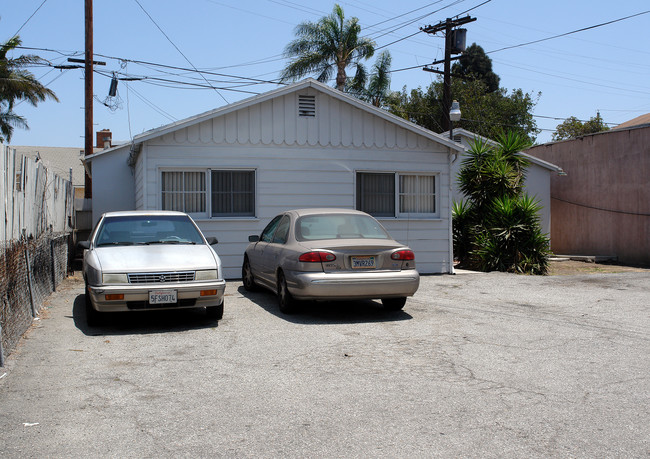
[{"x": 30, "y": 270}]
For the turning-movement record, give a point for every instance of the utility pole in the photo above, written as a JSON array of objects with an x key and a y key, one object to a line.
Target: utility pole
[
  {"x": 88, "y": 93},
  {"x": 451, "y": 47}
]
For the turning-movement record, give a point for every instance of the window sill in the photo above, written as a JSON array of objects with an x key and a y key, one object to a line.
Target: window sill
[
  {"x": 411, "y": 219},
  {"x": 222, "y": 219}
]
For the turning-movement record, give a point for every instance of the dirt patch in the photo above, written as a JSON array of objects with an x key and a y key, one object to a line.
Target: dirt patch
[{"x": 572, "y": 267}]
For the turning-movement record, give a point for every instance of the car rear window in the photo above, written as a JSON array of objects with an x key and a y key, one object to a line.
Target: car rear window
[
  {"x": 339, "y": 226},
  {"x": 149, "y": 229}
]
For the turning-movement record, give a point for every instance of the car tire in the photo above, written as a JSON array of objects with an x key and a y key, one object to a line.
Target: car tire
[
  {"x": 214, "y": 312},
  {"x": 285, "y": 299},
  {"x": 247, "y": 276},
  {"x": 92, "y": 316},
  {"x": 394, "y": 304}
]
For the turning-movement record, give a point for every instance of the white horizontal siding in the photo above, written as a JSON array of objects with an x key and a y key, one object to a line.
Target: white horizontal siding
[{"x": 294, "y": 177}]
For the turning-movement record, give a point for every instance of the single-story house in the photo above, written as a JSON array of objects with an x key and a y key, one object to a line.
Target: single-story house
[
  {"x": 538, "y": 176},
  {"x": 303, "y": 145},
  {"x": 602, "y": 207}
]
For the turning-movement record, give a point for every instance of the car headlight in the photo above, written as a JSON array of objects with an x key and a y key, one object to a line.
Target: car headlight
[
  {"x": 206, "y": 274},
  {"x": 114, "y": 279}
]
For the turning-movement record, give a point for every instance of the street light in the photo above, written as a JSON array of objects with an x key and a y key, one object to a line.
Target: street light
[{"x": 454, "y": 115}]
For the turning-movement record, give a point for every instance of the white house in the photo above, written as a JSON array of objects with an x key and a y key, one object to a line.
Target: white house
[
  {"x": 538, "y": 176},
  {"x": 304, "y": 145}
]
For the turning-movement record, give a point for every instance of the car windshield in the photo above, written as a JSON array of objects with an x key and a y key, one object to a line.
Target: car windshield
[
  {"x": 147, "y": 229},
  {"x": 339, "y": 226}
]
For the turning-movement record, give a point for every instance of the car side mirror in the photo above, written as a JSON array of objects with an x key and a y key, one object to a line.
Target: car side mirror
[
  {"x": 212, "y": 240},
  {"x": 83, "y": 245},
  {"x": 253, "y": 238}
]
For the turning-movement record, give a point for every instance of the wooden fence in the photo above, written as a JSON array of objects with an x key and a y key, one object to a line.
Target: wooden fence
[
  {"x": 34, "y": 199},
  {"x": 36, "y": 208}
]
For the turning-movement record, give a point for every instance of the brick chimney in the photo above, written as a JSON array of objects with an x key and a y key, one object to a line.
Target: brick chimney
[{"x": 104, "y": 139}]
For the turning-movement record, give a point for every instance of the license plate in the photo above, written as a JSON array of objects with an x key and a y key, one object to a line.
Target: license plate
[
  {"x": 363, "y": 262},
  {"x": 162, "y": 296}
]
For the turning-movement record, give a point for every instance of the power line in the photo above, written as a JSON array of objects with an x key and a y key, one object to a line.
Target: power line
[
  {"x": 473, "y": 8},
  {"x": 178, "y": 49},
  {"x": 166, "y": 82},
  {"x": 29, "y": 18},
  {"x": 570, "y": 33}
]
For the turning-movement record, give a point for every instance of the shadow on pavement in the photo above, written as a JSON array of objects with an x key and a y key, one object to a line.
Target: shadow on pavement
[
  {"x": 141, "y": 322},
  {"x": 327, "y": 312}
]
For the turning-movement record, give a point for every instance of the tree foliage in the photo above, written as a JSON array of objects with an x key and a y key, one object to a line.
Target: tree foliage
[
  {"x": 475, "y": 64},
  {"x": 483, "y": 112},
  {"x": 327, "y": 48},
  {"x": 497, "y": 227},
  {"x": 573, "y": 128},
  {"x": 16, "y": 85}
]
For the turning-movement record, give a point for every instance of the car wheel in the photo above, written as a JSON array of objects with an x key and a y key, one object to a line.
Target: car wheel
[
  {"x": 285, "y": 300},
  {"x": 394, "y": 304},
  {"x": 92, "y": 316},
  {"x": 214, "y": 312},
  {"x": 247, "y": 276}
]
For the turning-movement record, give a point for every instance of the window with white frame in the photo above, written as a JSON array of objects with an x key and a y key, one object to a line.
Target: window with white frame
[
  {"x": 228, "y": 193},
  {"x": 417, "y": 194},
  {"x": 397, "y": 194},
  {"x": 376, "y": 193},
  {"x": 233, "y": 193},
  {"x": 184, "y": 191}
]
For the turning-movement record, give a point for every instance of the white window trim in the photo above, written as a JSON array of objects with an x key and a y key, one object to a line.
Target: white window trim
[
  {"x": 159, "y": 198},
  {"x": 405, "y": 215},
  {"x": 436, "y": 198},
  {"x": 207, "y": 215}
]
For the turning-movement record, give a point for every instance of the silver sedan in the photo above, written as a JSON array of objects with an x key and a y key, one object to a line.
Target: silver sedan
[
  {"x": 329, "y": 254},
  {"x": 148, "y": 260}
]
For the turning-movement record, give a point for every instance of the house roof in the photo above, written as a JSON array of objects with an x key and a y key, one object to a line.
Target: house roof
[
  {"x": 532, "y": 159},
  {"x": 59, "y": 160},
  {"x": 301, "y": 85},
  {"x": 635, "y": 122}
]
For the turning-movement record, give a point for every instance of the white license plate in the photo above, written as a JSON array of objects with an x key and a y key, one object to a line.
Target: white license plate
[
  {"x": 162, "y": 296},
  {"x": 363, "y": 262}
]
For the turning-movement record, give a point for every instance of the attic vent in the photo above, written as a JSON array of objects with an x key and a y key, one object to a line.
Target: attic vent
[{"x": 306, "y": 105}]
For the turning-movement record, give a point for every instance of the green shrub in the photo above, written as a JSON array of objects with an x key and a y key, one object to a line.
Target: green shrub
[{"x": 498, "y": 227}]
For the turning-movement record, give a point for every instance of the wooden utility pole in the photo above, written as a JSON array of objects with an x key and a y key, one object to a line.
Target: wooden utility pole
[
  {"x": 447, "y": 26},
  {"x": 88, "y": 94}
]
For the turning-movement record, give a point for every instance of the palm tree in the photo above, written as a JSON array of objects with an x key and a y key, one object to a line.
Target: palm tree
[
  {"x": 18, "y": 84},
  {"x": 378, "y": 87},
  {"x": 330, "y": 45}
]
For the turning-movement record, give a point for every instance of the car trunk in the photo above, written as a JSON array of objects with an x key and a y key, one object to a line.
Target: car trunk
[{"x": 367, "y": 255}]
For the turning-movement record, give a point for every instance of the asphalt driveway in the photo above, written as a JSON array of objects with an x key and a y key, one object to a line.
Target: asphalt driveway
[{"x": 477, "y": 365}]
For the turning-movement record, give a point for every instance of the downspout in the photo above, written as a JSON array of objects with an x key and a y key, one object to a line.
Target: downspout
[{"x": 451, "y": 229}]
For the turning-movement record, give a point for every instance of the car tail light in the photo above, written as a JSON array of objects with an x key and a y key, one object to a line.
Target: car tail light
[
  {"x": 317, "y": 257},
  {"x": 403, "y": 255}
]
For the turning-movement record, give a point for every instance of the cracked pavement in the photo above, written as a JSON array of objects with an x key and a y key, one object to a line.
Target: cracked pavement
[{"x": 477, "y": 365}]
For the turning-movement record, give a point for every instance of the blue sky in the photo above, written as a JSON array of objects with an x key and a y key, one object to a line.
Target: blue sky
[{"x": 604, "y": 68}]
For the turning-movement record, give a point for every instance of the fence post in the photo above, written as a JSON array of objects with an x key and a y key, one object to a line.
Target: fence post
[
  {"x": 53, "y": 264},
  {"x": 29, "y": 281},
  {"x": 2, "y": 352}
]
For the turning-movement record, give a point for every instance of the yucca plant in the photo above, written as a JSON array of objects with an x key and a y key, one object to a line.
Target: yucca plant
[
  {"x": 498, "y": 227},
  {"x": 463, "y": 221}
]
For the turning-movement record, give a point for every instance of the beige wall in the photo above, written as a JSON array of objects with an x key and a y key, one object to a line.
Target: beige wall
[{"x": 602, "y": 205}]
